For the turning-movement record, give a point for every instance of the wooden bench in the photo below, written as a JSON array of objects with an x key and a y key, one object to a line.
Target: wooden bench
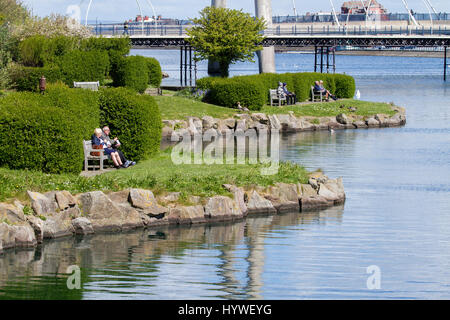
[
  {"x": 88, "y": 156},
  {"x": 274, "y": 96},
  {"x": 87, "y": 85},
  {"x": 315, "y": 95}
]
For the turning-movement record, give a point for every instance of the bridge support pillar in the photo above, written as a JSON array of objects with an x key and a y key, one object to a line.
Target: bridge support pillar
[
  {"x": 266, "y": 57},
  {"x": 188, "y": 67},
  {"x": 213, "y": 66},
  {"x": 445, "y": 64},
  {"x": 327, "y": 59}
]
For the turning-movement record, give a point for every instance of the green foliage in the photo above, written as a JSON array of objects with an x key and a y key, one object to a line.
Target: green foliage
[
  {"x": 120, "y": 46},
  {"x": 30, "y": 51},
  {"x": 299, "y": 83},
  {"x": 228, "y": 92},
  {"x": 44, "y": 132},
  {"x": 131, "y": 72},
  {"x": 12, "y": 11},
  {"x": 154, "y": 72},
  {"x": 56, "y": 47},
  {"x": 27, "y": 78},
  {"x": 226, "y": 36},
  {"x": 84, "y": 66},
  {"x": 134, "y": 119}
]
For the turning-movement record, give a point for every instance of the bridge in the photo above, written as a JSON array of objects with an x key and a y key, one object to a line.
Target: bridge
[{"x": 324, "y": 40}]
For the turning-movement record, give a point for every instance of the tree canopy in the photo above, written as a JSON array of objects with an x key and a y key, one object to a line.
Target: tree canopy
[{"x": 226, "y": 36}]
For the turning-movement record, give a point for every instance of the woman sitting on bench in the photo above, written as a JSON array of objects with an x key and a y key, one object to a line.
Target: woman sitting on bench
[
  {"x": 318, "y": 87},
  {"x": 98, "y": 141}
]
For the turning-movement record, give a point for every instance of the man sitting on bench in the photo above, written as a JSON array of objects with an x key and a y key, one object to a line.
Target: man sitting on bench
[
  {"x": 291, "y": 97},
  {"x": 318, "y": 87},
  {"x": 115, "y": 144}
]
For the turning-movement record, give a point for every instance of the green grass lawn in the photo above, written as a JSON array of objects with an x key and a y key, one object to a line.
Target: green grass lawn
[
  {"x": 158, "y": 174},
  {"x": 178, "y": 108},
  {"x": 332, "y": 109}
]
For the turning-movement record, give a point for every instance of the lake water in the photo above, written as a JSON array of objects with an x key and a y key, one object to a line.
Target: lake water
[{"x": 397, "y": 216}]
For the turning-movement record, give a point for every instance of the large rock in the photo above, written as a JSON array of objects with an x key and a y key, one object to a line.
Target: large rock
[
  {"x": 187, "y": 215},
  {"x": 260, "y": 117},
  {"x": 342, "y": 118},
  {"x": 11, "y": 213},
  {"x": 38, "y": 226},
  {"x": 336, "y": 186},
  {"x": 64, "y": 200},
  {"x": 239, "y": 197},
  {"x": 41, "y": 204},
  {"x": 24, "y": 236},
  {"x": 372, "y": 122},
  {"x": 382, "y": 119},
  {"x": 16, "y": 236},
  {"x": 59, "y": 225},
  {"x": 258, "y": 205},
  {"x": 146, "y": 202},
  {"x": 7, "y": 237},
  {"x": 274, "y": 122},
  {"x": 284, "y": 197},
  {"x": 209, "y": 122},
  {"x": 101, "y": 211},
  {"x": 82, "y": 226},
  {"x": 220, "y": 208},
  {"x": 315, "y": 203}
]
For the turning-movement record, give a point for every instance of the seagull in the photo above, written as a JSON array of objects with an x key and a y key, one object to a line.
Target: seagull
[
  {"x": 358, "y": 95},
  {"x": 331, "y": 130}
]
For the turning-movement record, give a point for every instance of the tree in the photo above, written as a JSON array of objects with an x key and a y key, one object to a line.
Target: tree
[{"x": 226, "y": 36}]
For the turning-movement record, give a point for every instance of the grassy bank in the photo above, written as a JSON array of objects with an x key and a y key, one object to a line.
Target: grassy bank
[
  {"x": 158, "y": 174},
  {"x": 178, "y": 108}
]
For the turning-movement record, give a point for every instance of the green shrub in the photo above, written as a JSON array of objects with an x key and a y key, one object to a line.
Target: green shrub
[
  {"x": 120, "y": 46},
  {"x": 131, "y": 72},
  {"x": 134, "y": 119},
  {"x": 30, "y": 51},
  {"x": 154, "y": 72},
  {"x": 56, "y": 47},
  {"x": 84, "y": 66},
  {"x": 45, "y": 132},
  {"x": 227, "y": 92},
  {"x": 27, "y": 78},
  {"x": 345, "y": 86},
  {"x": 299, "y": 83}
]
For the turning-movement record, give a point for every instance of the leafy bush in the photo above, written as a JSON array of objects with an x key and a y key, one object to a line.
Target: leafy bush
[
  {"x": 84, "y": 66},
  {"x": 30, "y": 51},
  {"x": 131, "y": 72},
  {"x": 154, "y": 72},
  {"x": 44, "y": 132},
  {"x": 300, "y": 83},
  {"x": 27, "y": 78},
  {"x": 121, "y": 46},
  {"x": 134, "y": 119},
  {"x": 227, "y": 92}
]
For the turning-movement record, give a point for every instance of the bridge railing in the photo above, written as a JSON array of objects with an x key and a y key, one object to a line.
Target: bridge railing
[{"x": 180, "y": 30}]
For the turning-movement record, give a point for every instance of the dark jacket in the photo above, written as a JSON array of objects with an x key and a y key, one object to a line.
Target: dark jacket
[{"x": 97, "y": 142}]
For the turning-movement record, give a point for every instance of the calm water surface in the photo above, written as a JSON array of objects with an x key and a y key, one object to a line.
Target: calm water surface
[{"x": 397, "y": 216}]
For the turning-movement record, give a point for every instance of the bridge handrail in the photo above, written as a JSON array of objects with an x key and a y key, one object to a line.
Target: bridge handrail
[{"x": 180, "y": 31}]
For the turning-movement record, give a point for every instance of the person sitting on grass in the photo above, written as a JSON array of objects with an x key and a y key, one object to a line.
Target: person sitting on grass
[
  {"x": 291, "y": 97},
  {"x": 318, "y": 87},
  {"x": 98, "y": 141},
  {"x": 115, "y": 144}
]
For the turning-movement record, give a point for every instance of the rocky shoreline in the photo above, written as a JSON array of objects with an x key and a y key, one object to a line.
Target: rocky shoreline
[
  {"x": 285, "y": 123},
  {"x": 59, "y": 214}
]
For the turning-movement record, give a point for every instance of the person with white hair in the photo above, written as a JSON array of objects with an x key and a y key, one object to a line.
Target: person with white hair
[
  {"x": 318, "y": 87},
  {"x": 98, "y": 141},
  {"x": 115, "y": 144}
]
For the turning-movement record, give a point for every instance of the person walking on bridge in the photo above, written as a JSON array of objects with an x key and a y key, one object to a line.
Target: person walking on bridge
[{"x": 125, "y": 28}]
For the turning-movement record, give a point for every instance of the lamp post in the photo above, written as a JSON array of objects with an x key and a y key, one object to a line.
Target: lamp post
[{"x": 42, "y": 84}]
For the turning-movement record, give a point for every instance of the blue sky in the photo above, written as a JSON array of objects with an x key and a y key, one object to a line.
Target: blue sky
[{"x": 119, "y": 10}]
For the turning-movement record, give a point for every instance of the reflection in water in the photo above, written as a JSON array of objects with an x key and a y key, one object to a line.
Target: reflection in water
[{"x": 229, "y": 262}]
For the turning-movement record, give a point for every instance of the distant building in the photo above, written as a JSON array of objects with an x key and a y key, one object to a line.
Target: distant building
[{"x": 356, "y": 7}]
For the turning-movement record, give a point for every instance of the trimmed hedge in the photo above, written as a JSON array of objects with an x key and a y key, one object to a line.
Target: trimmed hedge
[
  {"x": 44, "y": 132},
  {"x": 27, "y": 78},
  {"x": 84, "y": 66},
  {"x": 154, "y": 72},
  {"x": 131, "y": 72},
  {"x": 227, "y": 93},
  {"x": 135, "y": 119},
  {"x": 343, "y": 86}
]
